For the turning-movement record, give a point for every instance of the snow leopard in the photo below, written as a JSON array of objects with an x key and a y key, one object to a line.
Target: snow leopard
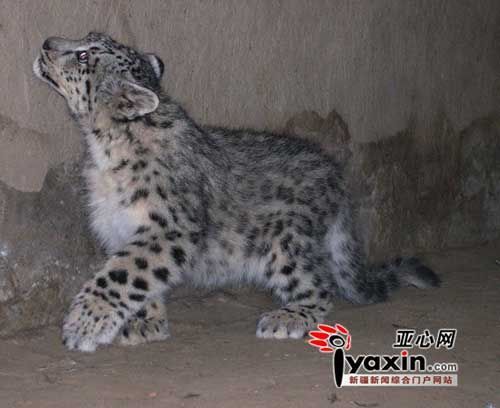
[{"x": 174, "y": 203}]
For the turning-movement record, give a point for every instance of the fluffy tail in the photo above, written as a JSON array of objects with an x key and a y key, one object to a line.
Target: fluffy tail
[
  {"x": 387, "y": 277},
  {"x": 375, "y": 283},
  {"x": 359, "y": 283}
]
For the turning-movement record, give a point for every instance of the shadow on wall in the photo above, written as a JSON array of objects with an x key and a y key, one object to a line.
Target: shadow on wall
[{"x": 417, "y": 193}]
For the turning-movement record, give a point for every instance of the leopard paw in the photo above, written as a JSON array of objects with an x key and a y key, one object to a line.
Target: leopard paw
[
  {"x": 90, "y": 322},
  {"x": 285, "y": 323},
  {"x": 143, "y": 330}
]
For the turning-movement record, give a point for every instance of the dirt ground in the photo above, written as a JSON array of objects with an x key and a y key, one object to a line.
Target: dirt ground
[{"x": 214, "y": 360}]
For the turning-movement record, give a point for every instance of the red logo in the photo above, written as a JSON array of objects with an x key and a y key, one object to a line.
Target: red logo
[{"x": 329, "y": 338}]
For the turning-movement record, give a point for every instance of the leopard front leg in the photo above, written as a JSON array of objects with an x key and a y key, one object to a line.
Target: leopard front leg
[{"x": 131, "y": 278}]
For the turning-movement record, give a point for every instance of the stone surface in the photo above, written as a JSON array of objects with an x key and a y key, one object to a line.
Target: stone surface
[
  {"x": 45, "y": 250},
  {"x": 22, "y": 147},
  {"x": 406, "y": 94}
]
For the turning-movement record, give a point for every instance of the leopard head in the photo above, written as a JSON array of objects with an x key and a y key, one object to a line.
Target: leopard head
[{"x": 97, "y": 73}]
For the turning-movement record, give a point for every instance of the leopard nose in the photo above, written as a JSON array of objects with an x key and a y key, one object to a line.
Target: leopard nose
[
  {"x": 59, "y": 44},
  {"x": 56, "y": 44}
]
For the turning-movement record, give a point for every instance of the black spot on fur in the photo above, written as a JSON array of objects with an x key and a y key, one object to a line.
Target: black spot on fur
[
  {"x": 102, "y": 283},
  {"x": 160, "y": 220},
  {"x": 288, "y": 269},
  {"x": 122, "y": 253},
  {"x": 139, "y": 194},
  {"x": 172, "y": 235},
  {"x": 165, "y": 124},
  {"x": 303, "y": 295},
  {"x": 161, "y": 273},
  {"x": 292, "y": 285},
  {"x": 101, "y": 295},
  {"x": 278, "y": 228},
  {"x": 269, "y": 271},
  {"x": 139, "y": 165},
  {"x": 118, "y": 275},
  {"x": 161, "y": 192},
  {"x": 179, "y": 255},
  {"x": 264, "y": 249},
  {"x": 142, "y": 229},
  {"x": 141, "y": 263},
  {"x": 136, "y": 297},
  {"x": 194, "y": 237},
  {"x": 155, "y": 248},
  {"x": 141, "y": 314},
  {"x": 114, "y": 293},
  {"x": 140, "y": 283},
  {"x": 285, "y": 194},
  {"x": 306, "y": 226},
  {"x": 139, "y": 243},
  {"x": 162, "y": 163},
  {"x": 140, "y": 151},
  {"x": 285, "y": 242},
  {"x": 173, "y": 213},
  {"x": 128, "y": 133}
]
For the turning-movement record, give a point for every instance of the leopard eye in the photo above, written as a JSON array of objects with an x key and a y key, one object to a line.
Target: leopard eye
[{"x": 82, "y": 56}]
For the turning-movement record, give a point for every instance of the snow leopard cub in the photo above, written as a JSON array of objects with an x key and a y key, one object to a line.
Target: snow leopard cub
[{"x": 175, "y": 203}]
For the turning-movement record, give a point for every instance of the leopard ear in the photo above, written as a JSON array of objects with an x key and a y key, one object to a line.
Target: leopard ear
[
  {"x": 157, "y": 64},
  {"x": 132, "y": 101}
]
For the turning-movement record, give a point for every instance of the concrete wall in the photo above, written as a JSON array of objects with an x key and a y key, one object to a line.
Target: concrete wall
[{"x": 415, "y": 86}]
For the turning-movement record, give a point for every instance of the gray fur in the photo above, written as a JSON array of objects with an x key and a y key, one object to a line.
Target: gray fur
[{"x": 175, "y": 203}]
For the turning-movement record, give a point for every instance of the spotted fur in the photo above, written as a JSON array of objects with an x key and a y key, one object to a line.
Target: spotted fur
[{"x": 176, "y": 203}]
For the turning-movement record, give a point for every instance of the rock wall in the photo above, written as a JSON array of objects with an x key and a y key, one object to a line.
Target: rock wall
[{"x": 405, "y": 93}]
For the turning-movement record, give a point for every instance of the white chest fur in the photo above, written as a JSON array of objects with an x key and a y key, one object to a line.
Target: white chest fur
[{"x": 114, "y": 223}]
